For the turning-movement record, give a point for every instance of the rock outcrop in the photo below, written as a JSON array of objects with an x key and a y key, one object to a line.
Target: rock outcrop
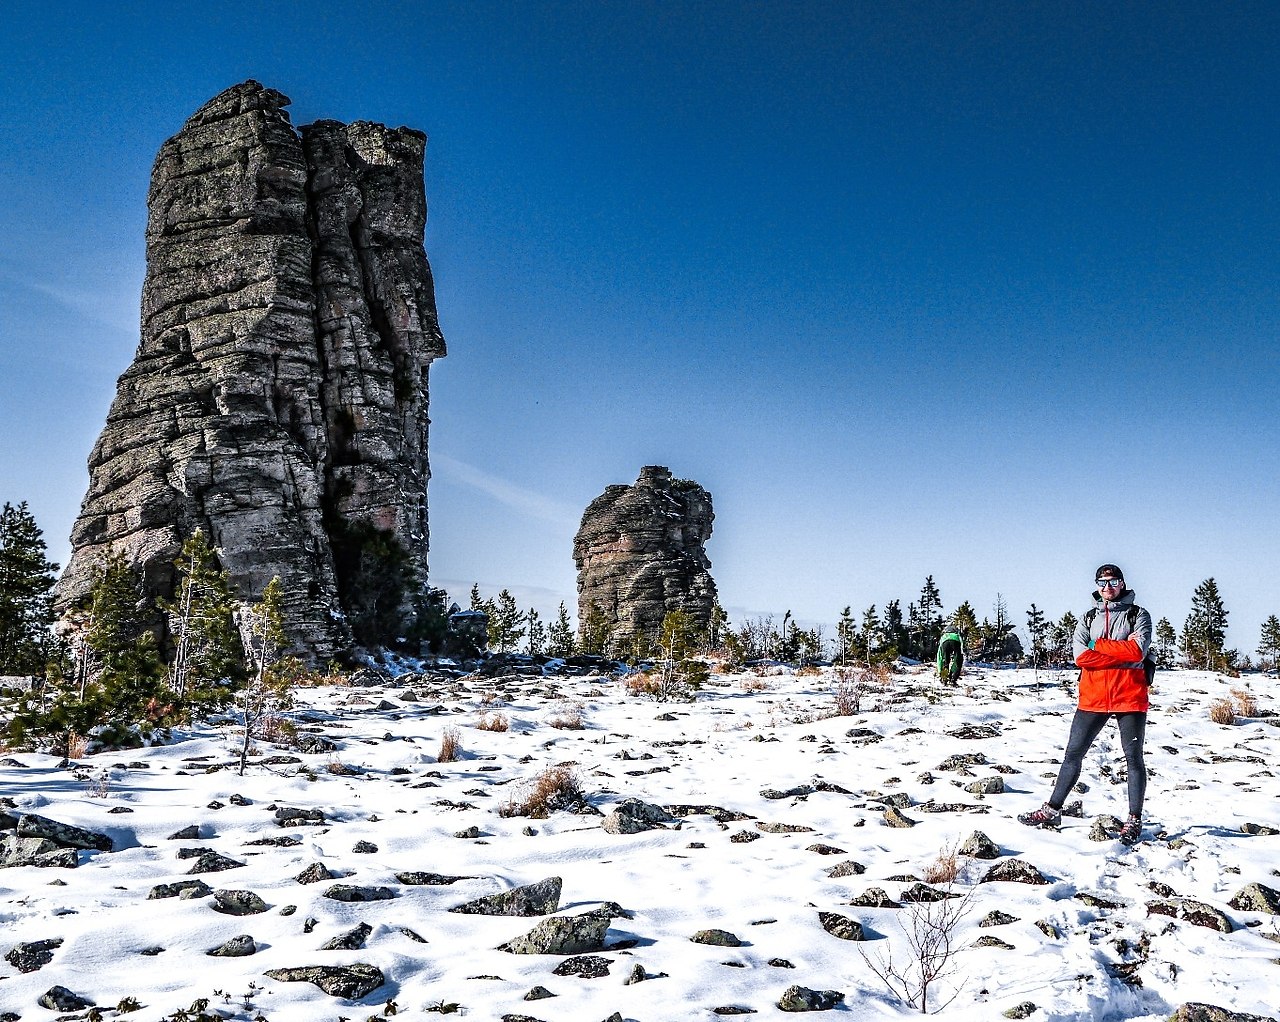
[
  {"x": 640, "y": 554},
  {"x": 278, "y": 397}
]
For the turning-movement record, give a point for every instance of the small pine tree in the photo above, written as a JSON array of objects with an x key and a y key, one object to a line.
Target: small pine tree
[
  {"x": 209, "y": 658},
  {"x": 929, "y": 619},
  {"x": 1166, "y": 644},
  {"x": 1269, "y": 644},
  {"x": 1061, "y": 637},
  {"x": 717, "y": 628},
  {"x": 1204, "y": 633},
  {"x": 560, "y": 635},
  {"x": 505, "y": 623},
  {"x": 846, "y": 637},
  {"x": 678, "y": 675},
  {"x": 537, "y": 633},
  {"x": 1038, "y": 630},
  {"x": 269, "y": 688},
  {"x": 594, "y": 631},
  {"x": 27, "y": 578}
]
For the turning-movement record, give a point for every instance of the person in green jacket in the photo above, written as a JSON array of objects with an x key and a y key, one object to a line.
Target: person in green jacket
[{"x": 950, "y": 655}]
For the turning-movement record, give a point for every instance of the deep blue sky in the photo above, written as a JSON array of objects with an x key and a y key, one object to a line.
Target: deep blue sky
[{"x": 987, "y": 291}]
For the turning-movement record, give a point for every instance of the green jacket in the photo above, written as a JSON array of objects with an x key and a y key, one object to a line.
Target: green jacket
[{"x": 950, "y": 633}]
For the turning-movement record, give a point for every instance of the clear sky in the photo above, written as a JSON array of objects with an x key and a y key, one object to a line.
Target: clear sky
[{"x": 987, "y": 291}]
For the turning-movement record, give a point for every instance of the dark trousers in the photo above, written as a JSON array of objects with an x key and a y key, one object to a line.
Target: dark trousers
[
  {"x": 1085, "y": 727},
  {"x": 951, "y": 655}
]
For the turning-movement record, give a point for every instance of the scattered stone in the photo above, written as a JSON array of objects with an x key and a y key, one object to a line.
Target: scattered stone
[
  {"x": 841, "y": 926},
  {"x": 562, "y": 935},
  {"x": 874, "y": 897},
  {"x": 783, "y": 828},
  {"x": 1197, "y": 1012},
  {"x": 355, "y": 892},
  {"x": 61, "y": 999},
  {"x": 468, "y": 833},
  {"x": 997, "y": 918},
  {"x": 584, "y": 967},
  {"x": 33, "y": 955},
  {"x": 288, "y": 817},
  {"x": 848, "y": 868},
  {"x": 237, "y": 947},
  {"x": 634, "y": 816},
  {"x": 1095, "y": 901},
  {"x": 986, "y": 786},
  {"x": 1024, "y": 1010},
  {"x": 1195, "y": 912},
  {"x": 191, "y": 833},
  {"x": 978, "y": 846},
  {"x": 538, "y": 993},
  {"x": 182, "y": 889},
  {"x": 894, "y": 818},
  {"x": 1259, "y": 830},
  {"x": 1256, "y": 898},
  {"x": 744, "y": 837},
  {"x": 798, "y": 998},
  {"x": 919, "y": 893},
  {"x": 961, "y": 760},
  {"x": 64, "y": 835},
  {"x": 416, "y": 879},
  {"x": 987, "y": 940},
  {"x": 1104, "y": 828},
  {"x": 540, "y": 899},
  {"x": 349, "y": 981},
  {"x": 780, "y": 963},
  {"x": 213, "y": 862},
  {"x": 719, "y": 938},
  {"x": 1014, "y": 871},
  {"x": 238, "y": 903},
  {"x": 364, "y": 848},
  {"x": 1048, "y": 929},
  {"x": 314, "y": 874},
  {"x": 352, "y": 940},
  {"x": 824, "y": 849}
]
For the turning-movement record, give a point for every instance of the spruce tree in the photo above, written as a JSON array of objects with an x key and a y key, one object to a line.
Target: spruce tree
[
  {"x": 871, "y": 636},
  {"x": 929, "y": 611},
  {"x": 1061, "y": 639},
  {"x": 1204, "y": 633},
  {"x": 1164, "y": 646},
  {"x": 595, "y": 631},
  {"x": 1269, "y": 644},
  {"x": 208, "y": 659},
  {"x": 560, "y": 635},
  {"x": 965, "y": 621},
  {"x": 505, "y": 627},
  {"x": 1038, "y": 630},
  {"x": 27, "y": 578},
  {"x": 846, "y": 636},
  {"x": 273, "y": 674},
  {"x": 894, "y": 629},
  {"x": 537, "y": 633}
]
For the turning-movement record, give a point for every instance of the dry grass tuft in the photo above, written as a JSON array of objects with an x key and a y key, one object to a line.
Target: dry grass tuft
[
  {"x": 557, "y": 787},
  {"x": 492, "y": 722},
  {"x": 339, "y": 768},
  {"x": 753, "y": 684},
  {"x": 944, "y": 869},
  {"x": 276, "y": 729},
  {"x": 808, "y": 671},
  {"x": 450, "y": 746},
  {"x": 567, "y": 720},
  {"x": 1221, "y": 711},
  {"x": 1246, "y": 704},
  {"x": 77, "y": 746},
  {"x": 642, "y": 683}
]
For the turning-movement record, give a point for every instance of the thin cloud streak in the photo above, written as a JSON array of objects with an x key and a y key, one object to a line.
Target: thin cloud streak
[{"x": 526, "y": 502}]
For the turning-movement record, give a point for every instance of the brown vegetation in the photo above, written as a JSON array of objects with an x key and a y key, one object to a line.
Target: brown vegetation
[
  {"x": 450, "y": 746},
  {"x": 557, "y": 787},
  {"x": 492, "y": 722}
]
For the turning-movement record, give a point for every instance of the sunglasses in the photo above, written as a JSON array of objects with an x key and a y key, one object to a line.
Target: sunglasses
[{"x": 1109, "y": 583}]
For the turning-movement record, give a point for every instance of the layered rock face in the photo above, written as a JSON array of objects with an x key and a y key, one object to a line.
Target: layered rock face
[
  {"x": 278, "y": 397},
  {"x": 639, "y": 553}
]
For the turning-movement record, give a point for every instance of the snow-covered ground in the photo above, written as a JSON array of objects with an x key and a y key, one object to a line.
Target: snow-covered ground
[{"x": 1082, "y": 946}]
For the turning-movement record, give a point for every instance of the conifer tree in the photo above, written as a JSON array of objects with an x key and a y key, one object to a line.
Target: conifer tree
[
  {"x": 505, "y": 627},
  {"x": 1204, "y": 633},
  {"x": 678, "y": 674},
  {"x": 208, "y": 656},
  {"x": 536, "y": 631},
  {"x": 27, "y": 578},
  {"x": 846, "y": 636},
  {"x": 560, "y": 635},
  {"x": 269, "y": 688},
  {"x": 1165, "y": 647},
  {"x": 965, "y": 621},
  {"x": 594, "y": 631},
  {"x": 717, "y": 628},
  {"x": 1061, "y": 638},
  {"x": 894, "y": 628},
  {"x": 929, "y": 610},
  {"x": 1038, "y": 630},
  {"x": 1269, "y": 644}
]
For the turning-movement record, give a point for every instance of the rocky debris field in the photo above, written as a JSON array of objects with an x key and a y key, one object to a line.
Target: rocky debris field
[{"x": 521, "y": 847}]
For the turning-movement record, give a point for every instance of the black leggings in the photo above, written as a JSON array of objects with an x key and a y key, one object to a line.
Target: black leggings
[{"x": 1084, "y": 729}]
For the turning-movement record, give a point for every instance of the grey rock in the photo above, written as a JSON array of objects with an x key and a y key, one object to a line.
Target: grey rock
[
  {"x": 1014, "y": 871},
  {"x": 1258, "y": 830},
  {"x": 349, "y": 981},
  {"x": 640, "y": 553},
  {"x": 352, "y": 940},
  {"x": 997, "y": 918},
  {"x": 919, "y": 893},
  {"x": 893, "y": 817},
  {"x": 562, "y": 935},
  {"x": 237, "y": 947},
  {"x": 798, "y": 998},
  {"x": 1256, "y": 898},
  {"x": 1194, "y": 1011},
  {"x": 717, "y": 937},
  {"x": 314, "y": 874},
  {"x": 213, "y": 862},
  {"x": 1104, "y": 828},
  {"x": 413, "y": 878},
  {"x": 35, "y": 851},
  {"x": 978, "y": 846},
  {"x": 584, "y": 967},
  {"x": 364, "y": 848},
  {"x": 64, "y": 835},
  {"x": 355, "y": 892},
  {"x": 538, "y": 993},
  {"x": 33, "y": 955},
  {"x": 238, "y": 903},
  {"x": 540, "y": 899},
  {"x": 182, "y": 889},
  {"x": 987, "y": 940},
  {"x": 874, "y": 897},
  {"x": 288, "y": 816},
  {"x": 634, "y": 816},
  {"x": 278, "y": 397},
  {"x": 1195, "y": 912},
  {"x": 848, "y": 868},
  {"x": 1023, "y": 1010},
  {"x": 190, "y": 833},
  {"x": 61, "y": 999},
  {"x": 986, "y": 786},
  {"x": 841, "y": 926}
]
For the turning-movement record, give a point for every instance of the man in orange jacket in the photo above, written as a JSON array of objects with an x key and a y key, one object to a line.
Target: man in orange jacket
[{"x": 1110, "y": 643}]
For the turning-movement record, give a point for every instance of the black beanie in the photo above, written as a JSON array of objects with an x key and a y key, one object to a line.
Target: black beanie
[{"x": 1109, "y": 569}]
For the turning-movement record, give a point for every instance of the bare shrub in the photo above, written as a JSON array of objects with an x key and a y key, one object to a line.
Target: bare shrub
[
  {"x": 567, "y": 720},
  {"x": 77, "y": 746},
  {"x": 557, "y": 787},
  {"x": 642, "y": 683},
  {"x": 846, "y": 696},
  {"x": 275, "y": 728},
  {"x": 932, "y": 932},
  {"x": 492, "y": 722},
  {"x": 945, "y": 868},
  {"x": 1246, "y": 704},
  {"x": 339, "y": 768},
  {"x": 808, "y": 671},
  {"x": 753, "y": 684},
  {"x": 490, "y": 696},
  {"x": 450, "y": 746},
  {"x": 100, "y": 786},
  {"x": 1221, "y": 711}
]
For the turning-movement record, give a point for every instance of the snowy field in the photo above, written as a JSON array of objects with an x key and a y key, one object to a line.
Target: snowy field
[{"x": 764, "y": 794}]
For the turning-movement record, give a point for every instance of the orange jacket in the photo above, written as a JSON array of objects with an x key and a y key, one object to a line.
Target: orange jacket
[{"x": 1110, "y": 653}]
